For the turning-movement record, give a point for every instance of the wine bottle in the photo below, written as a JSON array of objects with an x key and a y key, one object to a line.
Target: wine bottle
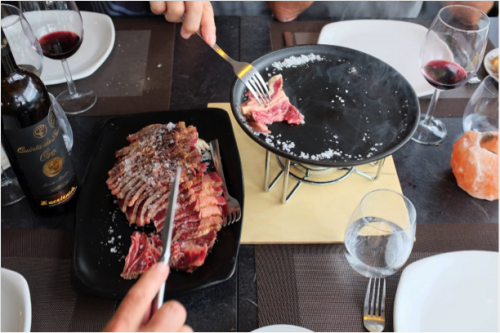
[{"x": 33, "y": 141}]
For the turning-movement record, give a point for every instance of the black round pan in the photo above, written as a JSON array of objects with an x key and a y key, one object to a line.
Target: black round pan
[{"x": 357, "y": 108}]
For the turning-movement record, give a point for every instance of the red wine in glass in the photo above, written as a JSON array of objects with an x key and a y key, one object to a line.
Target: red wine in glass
[
  {"x": 444, "y": 74},
  {"x": 58, "y": 26},
  {"x": 60, "y": 44}
]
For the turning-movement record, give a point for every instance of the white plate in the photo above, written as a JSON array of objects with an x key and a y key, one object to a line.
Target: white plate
[
  {"x": 451, "y": 292},
  {"x": 16, "y": 302},
  {"x": 487, "y": 61},
  {"x": 394, "y": 42},
  {"x": 282, "y": 328},
  {"x": 5, "y": 160},
  {"x": 98, "y": 41}
]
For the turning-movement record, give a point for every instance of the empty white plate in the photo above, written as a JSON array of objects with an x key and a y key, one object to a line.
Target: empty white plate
[
  {"x": 282, "y": 328},
  {"x": 16, "y": 302},
  {"x": 394, "y": 42},
  {"x": 451, "y": 292},
  {"x": 98, "y": 41}
]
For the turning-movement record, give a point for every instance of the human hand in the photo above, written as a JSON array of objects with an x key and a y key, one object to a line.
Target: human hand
[
  {"x": 198, "y": 14},
  {"x": 286, "y": 11},
  {"x": 465, "y": 17},
  {"x": 134, "y": 312}
]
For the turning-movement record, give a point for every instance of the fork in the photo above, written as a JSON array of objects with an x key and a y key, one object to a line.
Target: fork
[
  {"x": 374, "y": 308},
  {"x": 233, "y": 208},
  {"x": 247, "y": 74}
]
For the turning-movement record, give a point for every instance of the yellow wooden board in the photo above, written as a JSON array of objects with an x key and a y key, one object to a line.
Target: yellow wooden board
[{"x": 315, "y": 214}]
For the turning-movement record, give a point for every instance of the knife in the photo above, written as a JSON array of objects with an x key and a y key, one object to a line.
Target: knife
[{"x": 166, "y": 236}]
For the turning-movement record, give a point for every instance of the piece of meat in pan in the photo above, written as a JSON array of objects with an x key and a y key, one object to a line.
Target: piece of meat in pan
[{"x": 279, "y": 109}]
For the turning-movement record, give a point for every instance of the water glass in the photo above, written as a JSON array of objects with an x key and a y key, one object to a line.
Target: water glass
[
  {"x": 23, "y": 42},
  {"x": 11, "y": 190},
  {"x": 481, "y": 113},
  {"x": 380, "y": 234}
]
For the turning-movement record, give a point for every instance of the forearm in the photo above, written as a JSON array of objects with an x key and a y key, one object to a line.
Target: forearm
[
  {"x": 286, "y": 11},
  {"x": 484, "y": 6}
]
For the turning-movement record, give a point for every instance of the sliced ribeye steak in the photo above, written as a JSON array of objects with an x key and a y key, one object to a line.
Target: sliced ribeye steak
[{"x": 141, "y": 181}]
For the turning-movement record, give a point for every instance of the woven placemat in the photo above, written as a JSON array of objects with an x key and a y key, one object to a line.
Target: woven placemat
[
  {"x": 313, "y": 286},
  {"x": 137, "y": 75},
  {"x": 451, "y": 103},
  {"x": 43, "y": 257}
]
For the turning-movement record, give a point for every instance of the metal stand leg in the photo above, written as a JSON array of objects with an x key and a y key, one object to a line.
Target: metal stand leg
[
  {"x": 286, "y": 170},
  {"x": 268, "y": 187},
  {"x": 284, "y": 197},
  {"x": 379, "y": 170}
]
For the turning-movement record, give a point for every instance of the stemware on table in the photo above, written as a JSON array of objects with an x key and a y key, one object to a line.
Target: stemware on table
[
  {"x": 481, "y": 113},
  {"x": 378, "y": 240},
  {"x": 59, "y": 28},
  {"x": 11, "y": 190},
  {"x": 380, "y": 233},
  {"x": 23, "y": 43},
  {"x": 450, "y": 56}
]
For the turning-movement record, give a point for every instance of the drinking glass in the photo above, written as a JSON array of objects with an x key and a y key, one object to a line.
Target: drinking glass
[
  {"x": 481, "y": 113},
  {"x": 59, "y": 28},
  {"x": 64, "y": 125},
  {"x": 450, "y": 56},
  {"x": 22, "y": 41},
  {"x": 380, "y": 234},
  {"x": 11, "y": 190}
]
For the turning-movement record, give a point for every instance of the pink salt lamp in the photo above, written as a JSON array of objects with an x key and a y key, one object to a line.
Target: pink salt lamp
[{"x": 474, "y": 162}]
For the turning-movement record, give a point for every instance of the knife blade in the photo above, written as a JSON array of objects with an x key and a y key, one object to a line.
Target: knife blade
[{"x": 166, "y": 235}]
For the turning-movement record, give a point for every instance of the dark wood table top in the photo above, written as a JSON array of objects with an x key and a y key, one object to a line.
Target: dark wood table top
[{"x": 199, "y": 77}]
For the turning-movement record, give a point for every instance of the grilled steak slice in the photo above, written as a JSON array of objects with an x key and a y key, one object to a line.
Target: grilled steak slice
[
  {"x": 144, "y": 251},
  {"x": 279, "y": 109}
]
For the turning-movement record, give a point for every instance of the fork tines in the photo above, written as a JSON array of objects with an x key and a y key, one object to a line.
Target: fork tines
[
  {"x": 374, "y": 305},
  {"x": 257, "y": 86}
]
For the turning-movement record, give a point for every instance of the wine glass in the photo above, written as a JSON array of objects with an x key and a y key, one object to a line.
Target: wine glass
[
  {"x": 11, "y": 190},
  {"x": 450, "y": 56},
  {"x": 380, "y": 234},
  {"x": 59, "y": 28},
  {"x": 481, "y": 113},
  {"x": 23, "y": 42}
]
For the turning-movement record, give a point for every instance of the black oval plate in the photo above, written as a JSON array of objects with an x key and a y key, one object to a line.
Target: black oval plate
[
  {"x": 102, "y": 233},
  {"x": 357, "y": 108}
]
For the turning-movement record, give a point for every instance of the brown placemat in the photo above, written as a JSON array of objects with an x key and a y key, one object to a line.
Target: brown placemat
[
  {"x": 43, "y": 257},
  {"x": 451, "y": 103},
  {"x": 313, "y": 286},
  {"x": 137, "y": 75}
]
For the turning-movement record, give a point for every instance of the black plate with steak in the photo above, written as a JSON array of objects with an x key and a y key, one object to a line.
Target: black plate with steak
[{"x": 103, "y": 232}]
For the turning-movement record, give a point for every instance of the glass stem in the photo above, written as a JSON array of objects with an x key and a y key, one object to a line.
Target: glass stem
[
  {"x": 432, "y": 105},
  {"x": 69, "y": 79},
  {"x": 5, "y": 179}
]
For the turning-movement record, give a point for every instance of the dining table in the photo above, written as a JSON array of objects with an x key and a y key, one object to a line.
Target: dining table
[{"x": 152, "y": 69}]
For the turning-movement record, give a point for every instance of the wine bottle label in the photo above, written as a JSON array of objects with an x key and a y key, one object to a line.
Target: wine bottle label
[{"x": 44, "y": 160}]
